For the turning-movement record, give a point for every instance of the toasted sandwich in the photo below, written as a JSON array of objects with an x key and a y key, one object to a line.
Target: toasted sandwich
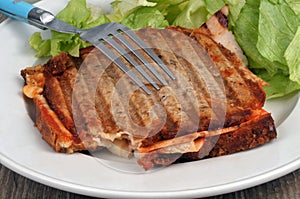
[{"x": 214, "y": 106}]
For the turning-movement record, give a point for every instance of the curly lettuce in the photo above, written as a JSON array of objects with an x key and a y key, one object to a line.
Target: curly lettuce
[
  {"x": 76, "y": 13},
  {"x": 268, "y": 32}
]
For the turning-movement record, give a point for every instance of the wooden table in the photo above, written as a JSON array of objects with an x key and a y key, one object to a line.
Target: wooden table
[{"x": 13, "y": 185}]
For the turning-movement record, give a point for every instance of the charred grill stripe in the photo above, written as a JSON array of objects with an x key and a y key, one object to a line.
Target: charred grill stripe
[
  {"x": 167, "y": 57},
  {"x": 103, "y": 104},
  {"x": 66, "y": 82},
  {"x": 144, "y": 115},
  {"x": 124, "y": 87},
  {"x": 234, "y": 82},
  {"x": 201, "y": 78},
  {"x": 119, "y": 105},
  {"x": 196, "y": 108},
  {"x": 176, "y": 116},
  {"x": 84, "y": 104},
  {"x": 234, "y": 114},
  {"x": 57, "y": 102},
  {"x": 141, "y": 105},
  {"x": 101, "y": 87},
  {"x": 117, "y": 101},
  {"x": 222, "y": 19},
  {"x": 250, "y": 80}
]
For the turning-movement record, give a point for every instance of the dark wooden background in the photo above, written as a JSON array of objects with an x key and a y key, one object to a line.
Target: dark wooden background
[{"x": 13, "y": 185}]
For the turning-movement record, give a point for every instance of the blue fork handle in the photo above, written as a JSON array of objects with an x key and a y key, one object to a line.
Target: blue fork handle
[
  {"x": 16, "y": 9},
  {"x": 26, "y": 12}
]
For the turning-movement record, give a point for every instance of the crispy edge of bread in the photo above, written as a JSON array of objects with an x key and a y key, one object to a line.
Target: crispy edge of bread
[
  {"x": 55, "y": 134},
  {"x": 47, "y": 121},
  {"x": 52, "y": 129},
  {"x": 256, "y": 132}
]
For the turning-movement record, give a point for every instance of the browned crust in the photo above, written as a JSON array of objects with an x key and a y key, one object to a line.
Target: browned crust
[
  {"x": 59, "y": 64},
  {"x": 58, "y": 130},
  {"x": 52, "y": 129},
  {"x": 258, "y": 131},
  {"x": 202, "y": 35},
  {"x": 252, "y": 81}
]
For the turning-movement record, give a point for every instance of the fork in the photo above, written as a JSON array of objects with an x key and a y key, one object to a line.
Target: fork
[
  {"x": 97, "y": 36},
  {"x": 4, "y": 17}
]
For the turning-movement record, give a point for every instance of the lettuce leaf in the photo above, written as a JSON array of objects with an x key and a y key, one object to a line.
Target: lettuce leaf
[
  {"x": 278, "y": 24},
  {"x": 161, "y": 13},
  {"x": 123, "y": 8},
  {"x": 197, "y": 12},
  {"x": 145, "y": 16},
  {"x": 295, "y": 5},
  {"x": 76, "y": 13},
  {"x": 170, "y": 8},
  {"x": 267, "y": 41},
  {"x": 292, "y": 56},
  {"x": 280, "y": 84},
  {"x": 235, "y": 7},
  {"x": 246, "y": 34}
]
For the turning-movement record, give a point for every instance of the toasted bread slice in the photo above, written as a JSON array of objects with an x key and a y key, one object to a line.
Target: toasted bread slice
[{"x": 214, "y": 107}]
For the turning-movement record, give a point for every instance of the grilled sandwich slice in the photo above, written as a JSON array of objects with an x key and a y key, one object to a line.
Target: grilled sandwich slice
[{"x": 214, "y": 107}]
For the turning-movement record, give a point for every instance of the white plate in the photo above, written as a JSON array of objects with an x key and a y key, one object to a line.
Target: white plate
[{"x": 23, "y": 151}]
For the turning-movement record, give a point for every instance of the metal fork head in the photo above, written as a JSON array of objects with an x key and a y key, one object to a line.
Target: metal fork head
[{"x": 113, "y": 34}]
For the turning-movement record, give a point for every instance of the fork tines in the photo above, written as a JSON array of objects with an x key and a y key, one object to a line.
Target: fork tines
[{"x": 115, "y": 31}]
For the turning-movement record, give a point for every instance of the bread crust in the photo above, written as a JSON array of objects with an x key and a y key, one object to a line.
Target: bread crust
[{"x": 51, "y": 87}]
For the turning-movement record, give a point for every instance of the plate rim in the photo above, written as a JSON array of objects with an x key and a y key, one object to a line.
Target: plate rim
[{"x": 202, "y": 192}]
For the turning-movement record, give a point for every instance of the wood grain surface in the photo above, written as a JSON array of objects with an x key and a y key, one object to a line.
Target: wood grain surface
[{"x": 13, "y": 185}]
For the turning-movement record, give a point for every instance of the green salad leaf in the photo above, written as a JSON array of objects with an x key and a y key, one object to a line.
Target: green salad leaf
[
  {"x": 277, "y": 26},
  {"x": 295, "y": 5},
  {"x": 268, "y": 31},
  {"x": 76, "y": 13},
  {"x": 145, "y": 16},
  {"x": 280, "y": 84},
  {"x": 292, "y": 56},
  {"x": 123, "y": 7},
  {"x": 196, "y": 12}
]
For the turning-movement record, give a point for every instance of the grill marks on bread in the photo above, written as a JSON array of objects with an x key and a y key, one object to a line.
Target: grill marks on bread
[
  {"x": 238, "y": 82},
  {"x": 92, "y": 99},
  {"x": 99, "y": 107}
]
